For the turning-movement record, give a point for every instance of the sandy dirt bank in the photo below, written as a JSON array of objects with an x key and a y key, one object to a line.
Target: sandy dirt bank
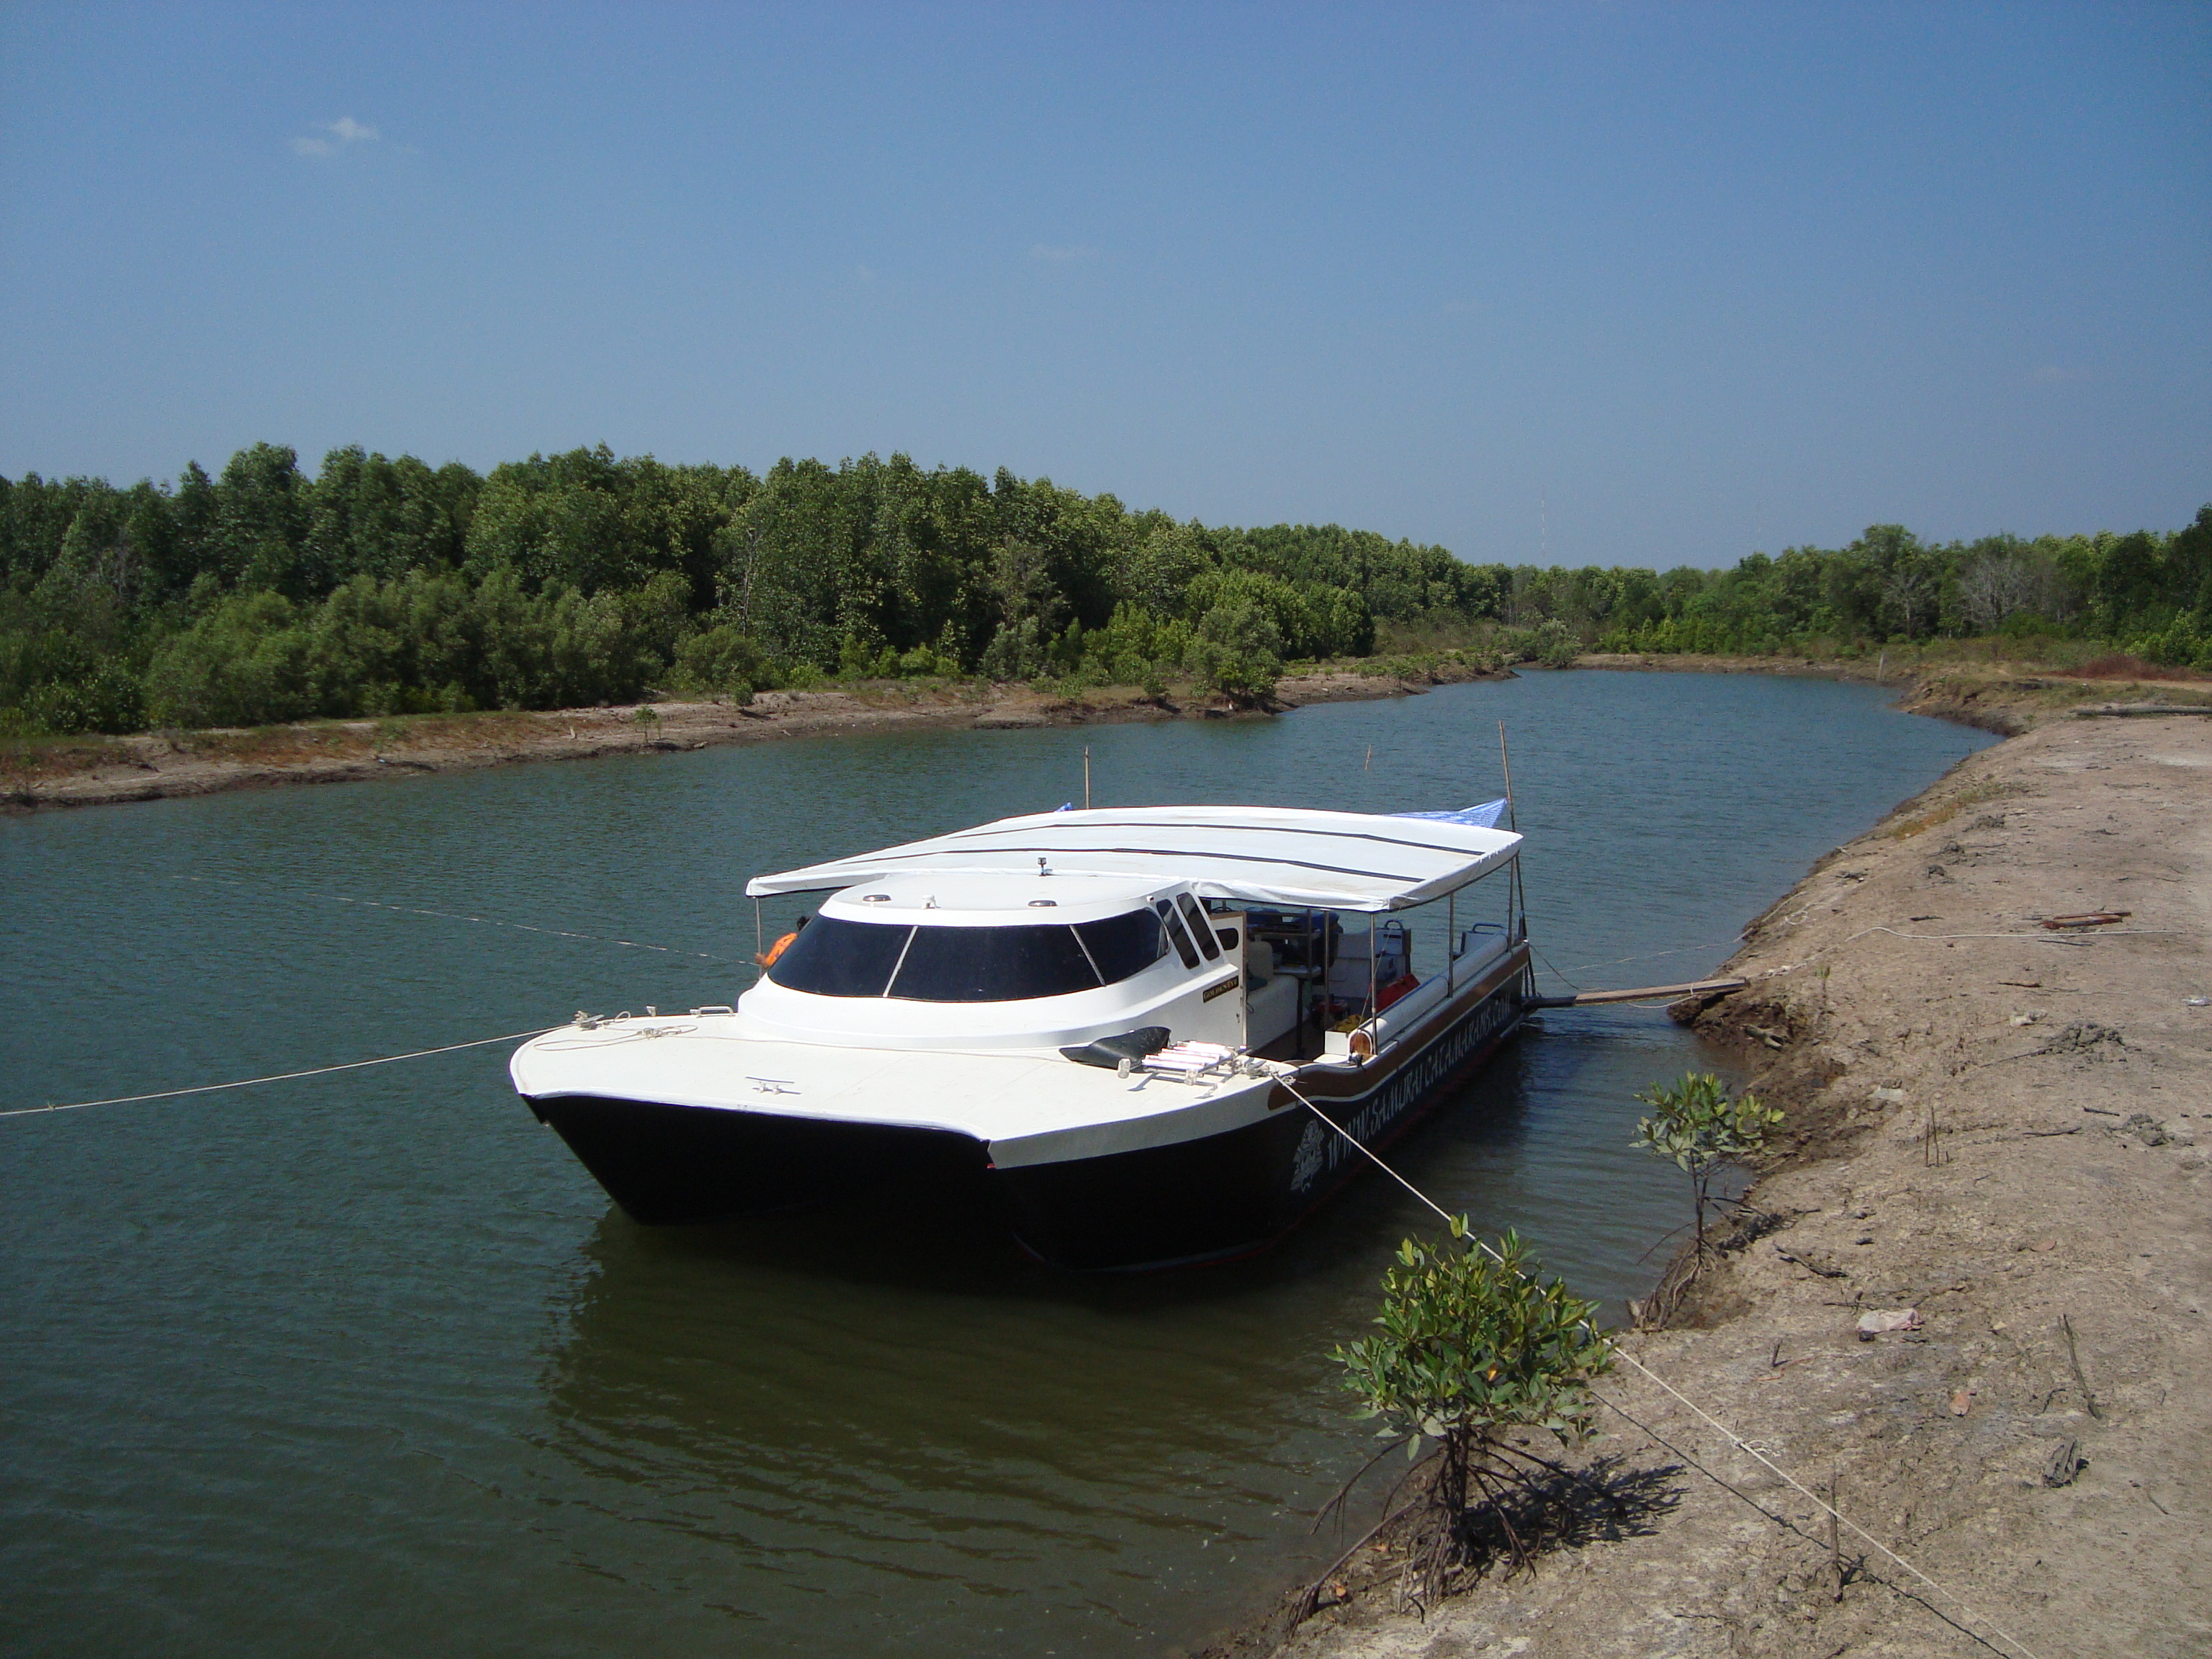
[
  {"x": 1998, "y": 1127},
  {"x": 91, "y": 771},
  {"x": 2008, "y": 698}
]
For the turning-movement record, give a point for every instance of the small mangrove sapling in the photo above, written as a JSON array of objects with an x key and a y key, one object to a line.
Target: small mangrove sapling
[
  {"x": 1474, "y": 1349},
  {"x": 1696, "y": 1123}
]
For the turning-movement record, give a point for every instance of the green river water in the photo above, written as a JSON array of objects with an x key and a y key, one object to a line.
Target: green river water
[{"x": 367, "y": 1365}]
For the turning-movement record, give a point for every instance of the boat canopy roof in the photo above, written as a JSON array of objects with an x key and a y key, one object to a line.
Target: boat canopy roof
[{"x": 1269, "y": 855}]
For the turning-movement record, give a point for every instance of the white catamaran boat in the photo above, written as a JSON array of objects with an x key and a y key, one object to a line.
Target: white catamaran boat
[{"x": 1102, "y": 1015}]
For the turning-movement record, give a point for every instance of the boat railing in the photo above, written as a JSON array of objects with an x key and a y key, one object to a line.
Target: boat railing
[
  {"x": 1387, "y": 1026},
  {"x": 1478, "y": 946}
]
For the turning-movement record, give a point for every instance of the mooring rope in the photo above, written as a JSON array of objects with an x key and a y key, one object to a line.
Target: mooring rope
[
  {"x": 1546, "y": 960},
  {"x": 1748, "y": 1448},
  {"x": 451, "y": 915},
  {"x": 277, "y": 1077},
  {"x": 1735, "y": 1439}
]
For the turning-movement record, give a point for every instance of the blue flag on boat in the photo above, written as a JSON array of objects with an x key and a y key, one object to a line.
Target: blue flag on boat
[{"x": 1484, "y": 816}]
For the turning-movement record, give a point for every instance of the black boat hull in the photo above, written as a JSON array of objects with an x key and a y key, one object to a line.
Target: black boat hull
[
  {"x": 1209, "y": 1199},
  {"x": 668, "y": 1165}
]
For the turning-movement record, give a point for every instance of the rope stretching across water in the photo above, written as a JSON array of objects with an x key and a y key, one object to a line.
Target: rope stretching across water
[
  {"x": 278, "y": 1077},
  {"x": 1735, "y": 1439},
  {"x": 1748, "y": 1448}
]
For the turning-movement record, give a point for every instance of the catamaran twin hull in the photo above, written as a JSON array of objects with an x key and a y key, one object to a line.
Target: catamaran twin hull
[
  {"x": 1222, "y": 1171},
  {"x": 1106, "y": 1019}
]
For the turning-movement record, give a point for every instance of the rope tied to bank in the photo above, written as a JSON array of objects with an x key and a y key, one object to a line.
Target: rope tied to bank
[
  {"x": 1750, "y": 1448},
  {"x": 278, "y": 1077}
]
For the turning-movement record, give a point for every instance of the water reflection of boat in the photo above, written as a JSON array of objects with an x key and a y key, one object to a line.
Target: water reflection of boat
[
  {"x": 857, "y": 1447},
  {"x": 1099, "y": 1016}
]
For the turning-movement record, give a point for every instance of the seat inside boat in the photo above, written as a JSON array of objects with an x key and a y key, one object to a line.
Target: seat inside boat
[{"x": 1308, "y": 977}]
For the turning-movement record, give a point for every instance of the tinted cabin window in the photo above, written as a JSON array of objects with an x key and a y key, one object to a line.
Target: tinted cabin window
[
  {"x": 833, "y": 958},
  {"x": 1178, "y": 933},
  {"x": 1123, "y": 945},
  {"x": 993, "y": 964},
  {"x": 1200, "y": 929}
]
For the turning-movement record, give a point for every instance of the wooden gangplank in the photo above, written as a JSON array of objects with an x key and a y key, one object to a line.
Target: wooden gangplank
[{"x": 1696, "y": 987}]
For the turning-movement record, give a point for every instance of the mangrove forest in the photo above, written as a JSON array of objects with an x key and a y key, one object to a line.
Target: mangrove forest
[{"x": 377, "y": 586}]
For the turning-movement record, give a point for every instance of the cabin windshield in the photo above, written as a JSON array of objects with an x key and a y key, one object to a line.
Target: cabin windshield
[
  {"x": 836, "y": 958},
  {"x": 1123, "y": 945},
  {"x": 833, "y": 958}
]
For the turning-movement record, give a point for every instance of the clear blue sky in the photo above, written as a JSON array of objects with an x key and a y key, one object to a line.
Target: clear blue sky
[{"x": 1699, "y": 279}]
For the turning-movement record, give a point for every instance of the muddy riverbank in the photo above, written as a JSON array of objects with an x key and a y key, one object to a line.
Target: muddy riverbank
[
  {"x": 91, "y": 771},
  {"x": 1998, "y": 1134},
  {"x": 94, "y": 770}
]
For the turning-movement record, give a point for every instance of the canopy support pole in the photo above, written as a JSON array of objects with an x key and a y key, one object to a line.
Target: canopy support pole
[
  {"x": 1505, "y": 760},
  {"x": 1372, "y": 924},
  {"x": 1512, "y": 822}
]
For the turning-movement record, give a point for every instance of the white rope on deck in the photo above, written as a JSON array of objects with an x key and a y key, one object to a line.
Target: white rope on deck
[
  {"x": 277, "y": 1077},
  {"x": 451, "y": 915},
  {"x": 1748, "y": 1447}
]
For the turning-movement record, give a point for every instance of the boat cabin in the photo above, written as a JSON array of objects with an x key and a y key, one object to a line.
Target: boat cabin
[{"x": 976, "y": 951}]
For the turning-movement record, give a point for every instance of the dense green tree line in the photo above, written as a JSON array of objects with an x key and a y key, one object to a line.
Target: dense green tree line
[
  {"x": 379, "y": 586},
  {"x": 2147, "y": 592}
]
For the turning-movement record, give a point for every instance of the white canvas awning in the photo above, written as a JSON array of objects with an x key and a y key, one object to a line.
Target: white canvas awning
[{"x": 1254, "y": 854}]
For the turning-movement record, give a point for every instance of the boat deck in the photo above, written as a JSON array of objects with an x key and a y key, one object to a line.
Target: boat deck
[{"x": 1020, "y": 1103}]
